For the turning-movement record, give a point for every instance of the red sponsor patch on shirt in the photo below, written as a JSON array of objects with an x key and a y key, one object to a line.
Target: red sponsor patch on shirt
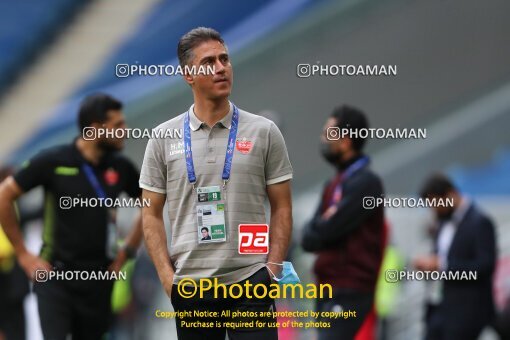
[
  {"x": 253, "y": 239},
  {"x": 244, "y": 146},
  {"x": 111, "y": 177}
]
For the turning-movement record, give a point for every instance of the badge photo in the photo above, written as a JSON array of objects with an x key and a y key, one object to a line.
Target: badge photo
[{"x": 205, "y": 234}]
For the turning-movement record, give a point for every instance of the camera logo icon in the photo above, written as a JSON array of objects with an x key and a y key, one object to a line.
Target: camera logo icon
[
  {"x": 65, "y": 202},
  {"x": 122, "y": 70},
  {"x": 391, "y": 275},
  {"x": 89, "y": 133},
  {"x": 333, "y": 133},
  {"x": 304, "y": 70},
  {"x": 368, "y": 202},
  {"x": 41, "y": 275}
]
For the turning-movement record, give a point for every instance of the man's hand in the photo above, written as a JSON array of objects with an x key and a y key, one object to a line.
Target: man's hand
[
  {"x": 32, "y": 263},
  {"x": 276, "y": 269},
  {"x": 427, "y": 262},
  {"x": 281, "y": 224},
  {"x": 119, "y": 261},
  {"x": 155, "y": 238}
]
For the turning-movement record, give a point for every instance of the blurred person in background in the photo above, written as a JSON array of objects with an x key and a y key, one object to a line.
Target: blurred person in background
[
  {"x": 348, "y": 239},
  {"x": 76, "y": 238},
  {"x": 464, "y": 241}
]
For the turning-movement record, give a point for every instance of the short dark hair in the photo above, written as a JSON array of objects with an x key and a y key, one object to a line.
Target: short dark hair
[
  {"x": 437, "y": 185},
  {"x": 94, "y": 109},
  {"x": 352, "y": 118},
  {"x": 204, "y": 228},
  {"x": 192, "y": 39}
]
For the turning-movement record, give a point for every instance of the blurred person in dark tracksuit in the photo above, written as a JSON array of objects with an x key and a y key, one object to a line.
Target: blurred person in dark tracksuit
[
  {"x": 348, "y": 239},
  {"x": 464, "y": 241},
  {"x": 83, "y": 239}
]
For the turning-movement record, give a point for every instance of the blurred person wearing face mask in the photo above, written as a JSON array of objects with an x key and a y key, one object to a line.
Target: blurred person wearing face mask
[
  {"x": 463, "y": 241},
  {"x": 348, "y": 238}
]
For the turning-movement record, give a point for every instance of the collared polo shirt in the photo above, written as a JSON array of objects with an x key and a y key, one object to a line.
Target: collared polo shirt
[{"x": 260, "y": 159}]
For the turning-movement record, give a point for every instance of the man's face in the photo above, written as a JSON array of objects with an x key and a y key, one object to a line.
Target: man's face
[
  {"x": 205, "y": 233},
  {"x": 115, "y": 120},
  {"x": 217, "y": 85}
]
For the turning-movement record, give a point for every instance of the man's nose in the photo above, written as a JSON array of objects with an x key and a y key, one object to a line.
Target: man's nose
[{"x": 219, "y": 67}]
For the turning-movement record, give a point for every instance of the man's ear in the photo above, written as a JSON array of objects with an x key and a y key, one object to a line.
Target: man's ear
[{"x": 188, "y": 78}]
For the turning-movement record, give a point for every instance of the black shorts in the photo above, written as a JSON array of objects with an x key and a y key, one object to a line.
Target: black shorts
[
  {"x": 80, "y": 308},
  {"x": 222, "y": 324}
]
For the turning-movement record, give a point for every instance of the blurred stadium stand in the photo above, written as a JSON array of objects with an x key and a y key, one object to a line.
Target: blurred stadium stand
[
  {"x": 155, "y": 42},
  {"x": 156, "y": 39},
  {"x": 26, "y": 27},
  {"x": 278, "y": 35},
  {"x": 65, "y": 65},
  {"x": 490, "y": 178}
]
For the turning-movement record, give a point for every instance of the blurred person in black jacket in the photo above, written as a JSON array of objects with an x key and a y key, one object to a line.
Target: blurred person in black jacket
[
  {"x": 348, "y": 238},
  {"x": 464, "y": 241}
]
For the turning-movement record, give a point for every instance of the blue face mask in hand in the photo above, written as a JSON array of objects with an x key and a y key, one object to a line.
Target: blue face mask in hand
[{"x": 289, "y": 275}]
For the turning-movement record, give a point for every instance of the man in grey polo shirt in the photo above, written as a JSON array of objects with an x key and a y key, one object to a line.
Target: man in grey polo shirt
[{"x": 217, "y": 176}]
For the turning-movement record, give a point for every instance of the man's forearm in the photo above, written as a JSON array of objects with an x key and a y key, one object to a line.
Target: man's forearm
[
  {"x": 156, "y": 243},
  {"x": 280, "y": 234}
]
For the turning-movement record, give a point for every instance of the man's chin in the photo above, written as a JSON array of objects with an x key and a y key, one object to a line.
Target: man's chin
[
  {"x": 223, "y": 86},
  {"x": 219, "y": 95}
]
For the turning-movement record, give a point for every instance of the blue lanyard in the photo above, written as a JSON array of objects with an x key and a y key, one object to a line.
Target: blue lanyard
[
  {"x": 228, "y": 155},
  {"x": 360, "y": 163},
  {"x": 89, "y": 173}
]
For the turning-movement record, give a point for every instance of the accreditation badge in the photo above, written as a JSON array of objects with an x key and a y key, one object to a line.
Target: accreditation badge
[{"x": 210, "y": 210}]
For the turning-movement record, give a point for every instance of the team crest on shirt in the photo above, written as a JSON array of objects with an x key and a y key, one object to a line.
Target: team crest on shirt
[
  {"x": 111, "y": 177},
  {"x": 244, "y": 145}
]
